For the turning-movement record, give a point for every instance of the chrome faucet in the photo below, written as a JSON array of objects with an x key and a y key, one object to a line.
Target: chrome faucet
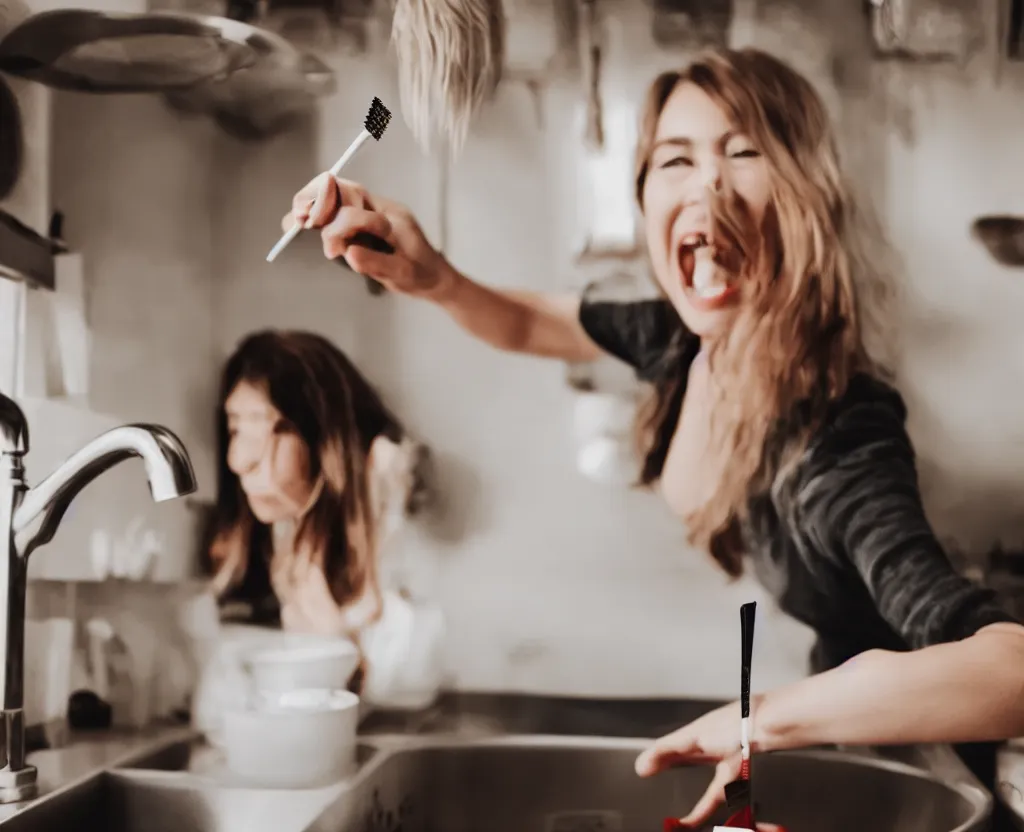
[{"x": 29, "y": 519}]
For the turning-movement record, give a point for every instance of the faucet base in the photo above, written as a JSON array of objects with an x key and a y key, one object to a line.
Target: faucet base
[{"x": 18, "y": 786}]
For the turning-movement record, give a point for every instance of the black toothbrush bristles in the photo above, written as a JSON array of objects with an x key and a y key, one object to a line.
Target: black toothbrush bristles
[{"x": 377, "y": 119}]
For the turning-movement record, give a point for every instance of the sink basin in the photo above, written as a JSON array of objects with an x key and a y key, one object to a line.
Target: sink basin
[
  {"x": 549, "y": 784},
  {"x": 511, "y": 783},
  {"x": 117, "y": 803},
  {"x": 175, "y": 756},
  {"x": 148, "y": 802}
]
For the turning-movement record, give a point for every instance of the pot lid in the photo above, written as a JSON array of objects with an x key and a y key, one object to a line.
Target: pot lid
[{"x": 76, "y": 49}]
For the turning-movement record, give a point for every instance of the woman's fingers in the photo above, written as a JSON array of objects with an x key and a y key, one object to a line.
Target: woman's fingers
[
  {"x": 725, "y": 772},
  {"x": 380, "y": 267},
  {"x": 678, "y": 748},
  {"x": 338, "y": 235},
  {"x": 319, "y": 196},
  {"x": 317, "y": 203}
]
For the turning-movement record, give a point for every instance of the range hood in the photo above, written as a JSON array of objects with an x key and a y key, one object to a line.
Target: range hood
[{"x": 225, "y": 66}]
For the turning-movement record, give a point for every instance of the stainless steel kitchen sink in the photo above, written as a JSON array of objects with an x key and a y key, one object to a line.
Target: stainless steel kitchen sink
[
  {"x": 559, "y": 784},
  {"x": 113, "y": 802},
  {"x": 531, "y": 783}
]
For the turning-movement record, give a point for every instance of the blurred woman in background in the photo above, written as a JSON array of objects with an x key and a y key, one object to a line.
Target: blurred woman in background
[{"x": 315, "y": 477}]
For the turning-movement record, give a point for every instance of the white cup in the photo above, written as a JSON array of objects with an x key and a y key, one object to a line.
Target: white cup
[
  {"x": 306, "y": 662},
  {"x": 299, "y": 739}
]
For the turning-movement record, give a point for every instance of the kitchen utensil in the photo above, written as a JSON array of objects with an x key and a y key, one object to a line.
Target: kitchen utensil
[
  {"x": 737, "y": 793},
  {"x": 88, "y": 51},
  {"x": 270, "y": 97},
  {"x": 377, "y": 119},
  {"x": 300, "y": 739},
  {"x": 594, "y": 133},
  {"x": 112, "y": 670},
  {"x": 49, "y": 652},
  {"x": 1003, "y": 238},
  {"x": 87, "y": 711}
]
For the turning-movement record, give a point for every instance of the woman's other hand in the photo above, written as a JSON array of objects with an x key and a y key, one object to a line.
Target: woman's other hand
[
  {"x": 341, "y": 209},
  {"x": 714, "y": 738},
  {"x": 311, "y": 608}
]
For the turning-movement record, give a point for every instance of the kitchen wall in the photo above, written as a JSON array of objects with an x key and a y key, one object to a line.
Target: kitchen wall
[
  {"x": 550, "y": 582},
  {"x": 134, "y": 182}
]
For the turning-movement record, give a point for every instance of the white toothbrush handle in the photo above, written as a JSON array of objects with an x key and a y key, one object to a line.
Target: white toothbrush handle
[
  {"x": 293, "y": 232},
  {"x": 282, "y": 244},
  {"x": 348, "y": 154}
]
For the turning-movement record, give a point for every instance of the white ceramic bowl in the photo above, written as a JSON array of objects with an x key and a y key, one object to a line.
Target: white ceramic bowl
[
  {"x": 301, "y": 662},
  {"x": 299, "y": 739}
]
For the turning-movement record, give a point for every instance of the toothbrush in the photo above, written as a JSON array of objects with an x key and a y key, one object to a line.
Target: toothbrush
[
  {"x": 737, "y": 793},
  {"x": 738, "y": 796},
  {"x": 376, "y": 123}
]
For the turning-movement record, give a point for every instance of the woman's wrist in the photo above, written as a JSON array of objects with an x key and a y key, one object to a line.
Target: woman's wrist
[
  {"x": 445, "y": 289},
  {"x": 767, "y": 731},
  {"x": 827, "y": 708}
]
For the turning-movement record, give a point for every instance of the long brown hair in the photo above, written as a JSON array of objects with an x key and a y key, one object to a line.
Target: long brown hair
[
  {"x": 797, "y": 339},
  {"x": 338, "y": 415}
]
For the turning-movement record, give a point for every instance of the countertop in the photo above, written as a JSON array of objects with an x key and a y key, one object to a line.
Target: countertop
[{"x": 90, "y": 752}]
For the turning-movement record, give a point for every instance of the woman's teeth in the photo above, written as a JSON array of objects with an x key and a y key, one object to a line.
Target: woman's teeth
[{"x": 709, "y": 281}]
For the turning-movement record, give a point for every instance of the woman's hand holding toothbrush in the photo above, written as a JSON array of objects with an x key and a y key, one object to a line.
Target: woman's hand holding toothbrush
[
  {"x": 377, "y": 237},
  {"x": 713, "y": 738}
]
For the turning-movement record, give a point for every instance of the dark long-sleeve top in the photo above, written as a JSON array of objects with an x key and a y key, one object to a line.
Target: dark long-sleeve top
[{"x": 843, "y": 544}]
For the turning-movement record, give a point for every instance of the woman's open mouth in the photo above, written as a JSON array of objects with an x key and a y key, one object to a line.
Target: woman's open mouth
[{"x": 708, "y": 283}]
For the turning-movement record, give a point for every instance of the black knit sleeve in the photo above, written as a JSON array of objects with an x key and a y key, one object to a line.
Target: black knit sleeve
[
  {"x": 857, "y": 497},
  {"x": 638, "y": 333}
]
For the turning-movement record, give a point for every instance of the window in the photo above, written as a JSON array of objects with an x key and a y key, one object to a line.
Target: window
[{"x": 607, "y": 183}]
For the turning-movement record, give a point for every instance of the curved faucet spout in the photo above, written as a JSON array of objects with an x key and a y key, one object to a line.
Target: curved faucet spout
[
  {"x": 167, "y": 464},
  {"x": 32, "y": 517}
]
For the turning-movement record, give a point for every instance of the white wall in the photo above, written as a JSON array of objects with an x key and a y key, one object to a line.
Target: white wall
[
  {"x": 133, "y": 180},
  {"x": 964, "y": 376},
  {"x": 550, "y": 583}
]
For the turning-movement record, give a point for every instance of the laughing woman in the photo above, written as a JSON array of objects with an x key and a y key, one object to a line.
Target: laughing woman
[{"x": 770, "y": 431}]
